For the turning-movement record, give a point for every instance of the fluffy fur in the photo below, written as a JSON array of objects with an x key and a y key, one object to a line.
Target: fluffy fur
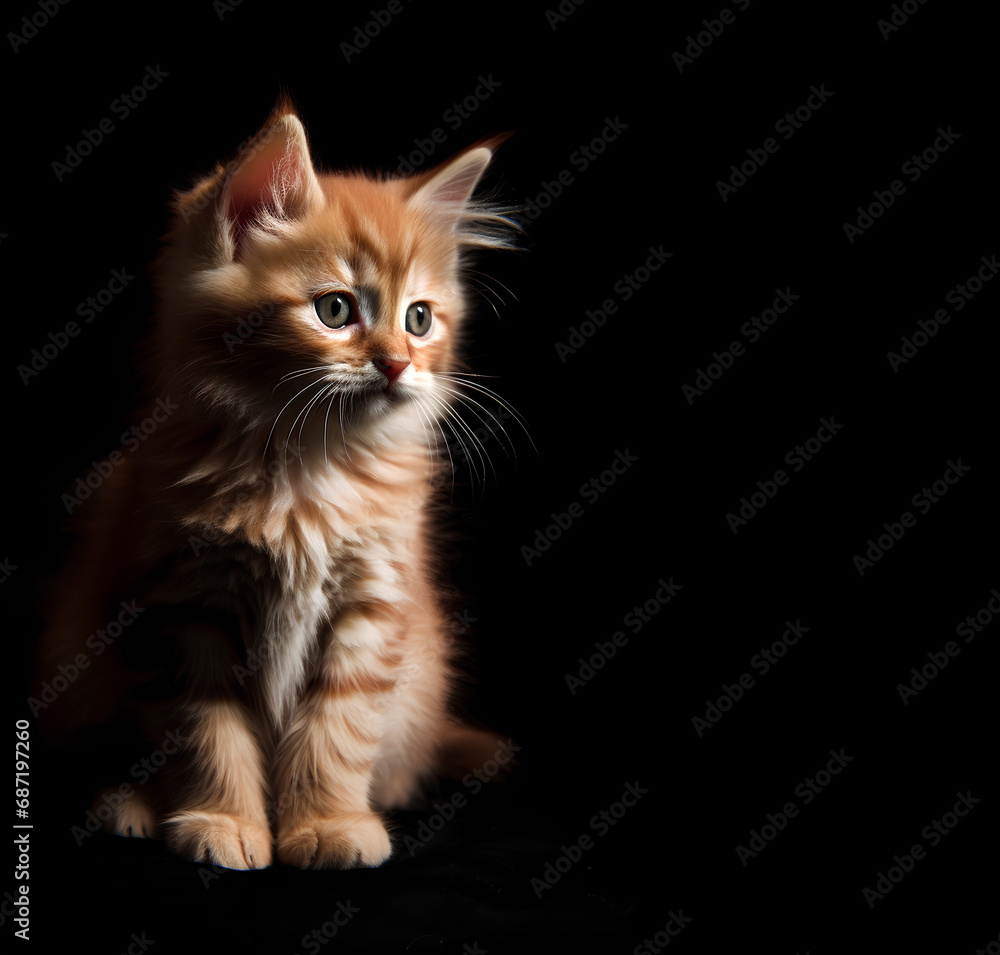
[{"x": 277, "y": 517}]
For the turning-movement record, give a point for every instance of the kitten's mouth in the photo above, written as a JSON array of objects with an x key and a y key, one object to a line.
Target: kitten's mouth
[
  {"x": 395, "y": 391},
  {"x": 383, "y": 392}
]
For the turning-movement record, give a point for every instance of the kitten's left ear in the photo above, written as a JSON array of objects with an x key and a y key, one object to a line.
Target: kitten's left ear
[{"x": 274, "y": 180}]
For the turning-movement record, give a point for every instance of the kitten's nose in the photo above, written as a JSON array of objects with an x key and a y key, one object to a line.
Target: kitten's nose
[{"x": 392, "y": 368}]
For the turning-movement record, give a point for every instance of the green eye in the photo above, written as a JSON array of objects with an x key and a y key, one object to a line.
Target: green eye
[
  {"x": 418, "y": 318},
  {"x": 334, "y": 310}
]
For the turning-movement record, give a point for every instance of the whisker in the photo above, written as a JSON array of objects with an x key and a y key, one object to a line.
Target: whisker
[
  {"x": 490, "y": 287},
  {"x": 506, "y": 405},
  {"x": 304, "y": 414},
  {"x": 297, "y": 374},
  {"x": 486, "y": 292},
  {"x": 343, "y": 429},
  {"x": 278, "y": 418},
  {"x": 326, "y": 422},
  {"x": 440, "y": 421},
  {"x": 432, "y": 444},
  {"x": 488, "y": 302},
  {"x": 488, "y": 392},
  {"x": 445, "y": 418},
  {"x": 469, "y": 401}
]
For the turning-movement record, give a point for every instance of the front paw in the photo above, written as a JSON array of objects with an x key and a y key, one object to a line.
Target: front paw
[
  {"x": 230, "y": 841},
  {"x": 344, "y": 841}
]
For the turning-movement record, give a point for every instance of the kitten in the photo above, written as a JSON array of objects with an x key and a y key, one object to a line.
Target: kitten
[{"x": 276, "y": 523}]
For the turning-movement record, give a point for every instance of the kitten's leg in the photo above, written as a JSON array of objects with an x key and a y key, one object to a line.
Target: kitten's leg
[
  {"x": 415, "y": 714},
  {"x": 325, "y": 762},
  {"x": 222, "y": 815},
  {"x": 421, "y": 739}
]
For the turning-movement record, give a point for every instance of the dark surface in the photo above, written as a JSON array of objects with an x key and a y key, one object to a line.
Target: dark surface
[{"x": 469, "y": 888}]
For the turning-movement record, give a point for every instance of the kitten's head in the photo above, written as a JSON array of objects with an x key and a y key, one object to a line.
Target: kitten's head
[{"x": 319, "y": 303}]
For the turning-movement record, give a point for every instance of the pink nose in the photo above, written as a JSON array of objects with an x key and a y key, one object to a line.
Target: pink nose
[{"x": 392, "y": 368}]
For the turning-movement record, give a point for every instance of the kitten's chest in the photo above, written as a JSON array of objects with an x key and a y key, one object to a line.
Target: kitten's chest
[
  {"x": 318, "y": 563},
  {"x": 293, "y": 552}
]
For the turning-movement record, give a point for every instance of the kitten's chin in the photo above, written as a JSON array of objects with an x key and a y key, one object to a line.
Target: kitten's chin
[{"x": 383, "y": 399}]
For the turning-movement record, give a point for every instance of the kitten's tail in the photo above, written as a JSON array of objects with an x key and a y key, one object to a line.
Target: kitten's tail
[{"x": 481, "y": 753}]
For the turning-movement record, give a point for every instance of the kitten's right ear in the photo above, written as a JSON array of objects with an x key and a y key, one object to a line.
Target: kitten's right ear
[{"x": 272, "y": 180}]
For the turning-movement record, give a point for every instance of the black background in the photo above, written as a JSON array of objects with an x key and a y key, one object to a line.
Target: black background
[{"x": 559, "y": 84}]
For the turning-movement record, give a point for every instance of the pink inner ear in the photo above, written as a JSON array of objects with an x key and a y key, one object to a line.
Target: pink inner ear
[
  {"x": 251, "y": 192},
  {"x": 273, "y": 180}
]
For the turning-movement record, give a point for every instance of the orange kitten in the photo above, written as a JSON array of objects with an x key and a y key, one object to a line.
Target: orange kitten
[{"x": 277, "y": 517}]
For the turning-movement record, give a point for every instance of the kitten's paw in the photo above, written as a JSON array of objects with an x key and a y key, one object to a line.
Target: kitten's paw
[
  {"x": 345, "y": 841},
  {"x": 230, "y": 841},
  {"x": 131, "y": 816}
]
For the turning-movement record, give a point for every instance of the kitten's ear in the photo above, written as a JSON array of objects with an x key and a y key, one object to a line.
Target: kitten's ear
[
  {"x": 451, "y": 185},
  {"x": 274, "y": 179},
  {"x": 446, "y": 194}
]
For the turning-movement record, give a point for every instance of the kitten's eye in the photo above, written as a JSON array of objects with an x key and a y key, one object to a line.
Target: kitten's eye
[
  {"x": 418, "y": 318},
  {"x": 334, "y": 310}
]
